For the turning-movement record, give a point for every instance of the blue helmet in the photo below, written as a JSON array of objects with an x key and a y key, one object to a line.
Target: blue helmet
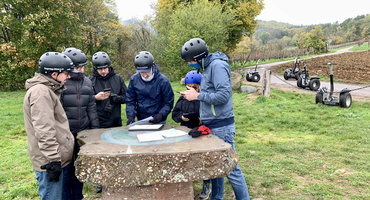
[{"x": 193, "y": 77}]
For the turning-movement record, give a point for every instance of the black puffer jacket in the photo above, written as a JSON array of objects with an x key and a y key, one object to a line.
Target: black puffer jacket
[
  {"x": 191, "y": 108},
  {"x": 79, "y": 103},
  {"x": 109, "y": 110}
]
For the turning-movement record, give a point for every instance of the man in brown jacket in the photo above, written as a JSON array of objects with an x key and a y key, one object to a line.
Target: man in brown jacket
[{"x": 50, "y": 142}]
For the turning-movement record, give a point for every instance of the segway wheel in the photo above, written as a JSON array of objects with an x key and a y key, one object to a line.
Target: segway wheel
[
  {"x": 249, "y": 77},
  {"x": 345, "y": 100},
  {"x": 297, "y": 75},
  {"x": 256, "y": 77},
  {"x": 314, "y": 84},
  {"x": 299, "y": 82},
  {"x": 320, "y": 97},
  {"x": 286, "y": 76}
]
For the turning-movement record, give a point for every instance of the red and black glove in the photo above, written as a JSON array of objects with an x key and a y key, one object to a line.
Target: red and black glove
[{"x": 198, "y": 131}]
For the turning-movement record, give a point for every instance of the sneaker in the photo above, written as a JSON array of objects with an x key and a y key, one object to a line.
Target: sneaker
[
  {"x": 206, "y": 191},
  {"x": 99, "y": 189}
]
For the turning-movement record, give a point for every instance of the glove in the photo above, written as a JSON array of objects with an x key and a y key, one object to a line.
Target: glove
[
  {"x": 130, "y": 120},
  {"x": 54, "y": 169},
  {"x": 198, "y": 131},
  {"x": 157, "y": 118},
  {"x": 114, "y": 98},
  {"x": 192, "y": 116}
]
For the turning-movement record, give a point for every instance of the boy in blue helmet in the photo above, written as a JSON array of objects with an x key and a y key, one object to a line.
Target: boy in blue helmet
[
  {"x": 216, "y": 112},
  {"x": 187, "y": 114}
]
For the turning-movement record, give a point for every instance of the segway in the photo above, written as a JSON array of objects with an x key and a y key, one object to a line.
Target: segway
[
  {"x": 326, "y": 97},
  {"x": 253, "y": 76},
  {"x": 305, "y": 82},
  {"x": 293, "y": 73}
]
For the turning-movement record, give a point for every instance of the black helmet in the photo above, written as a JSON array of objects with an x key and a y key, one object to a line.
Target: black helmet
[
  {"x": 101, "y": 60},
  {"x": 144, "y": 61},
  {"x": 193, "y": 50},
  {"x": 77, "y": 56},
  {"x": 54, "y": 62}
]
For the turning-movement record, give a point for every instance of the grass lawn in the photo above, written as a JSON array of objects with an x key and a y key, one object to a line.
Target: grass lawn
[{"x": 288, "y": 147}]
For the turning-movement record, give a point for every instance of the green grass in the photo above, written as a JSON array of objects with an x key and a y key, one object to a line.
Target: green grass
[
  {"x": 288, "y": 148},
  {"x": 365, "y": 46}
]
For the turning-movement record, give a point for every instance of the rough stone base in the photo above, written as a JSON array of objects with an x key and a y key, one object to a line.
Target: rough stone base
[{"x": 178, "y": 191}]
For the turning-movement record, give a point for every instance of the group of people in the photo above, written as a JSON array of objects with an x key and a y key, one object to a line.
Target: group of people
[{"x": 61, "y": 101}]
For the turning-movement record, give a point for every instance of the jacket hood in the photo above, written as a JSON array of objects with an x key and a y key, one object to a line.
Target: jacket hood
[
  {"x": 45, "y": 80},
  {"x": 215, "y": 56},
  {"x": 156, "y": 70},
  {"x": 110, "y": 74}
]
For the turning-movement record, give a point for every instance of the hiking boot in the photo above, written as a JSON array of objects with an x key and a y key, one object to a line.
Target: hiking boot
[{"x": 206, "y": 191}]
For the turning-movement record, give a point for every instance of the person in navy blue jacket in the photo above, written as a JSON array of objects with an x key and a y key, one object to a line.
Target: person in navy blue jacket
[
  {"x": 149, "y": 92},
  {"x": 216, "y": 105}
]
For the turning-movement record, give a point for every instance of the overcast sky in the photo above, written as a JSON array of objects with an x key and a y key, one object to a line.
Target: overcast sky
[{"x": 296, "y": 12}]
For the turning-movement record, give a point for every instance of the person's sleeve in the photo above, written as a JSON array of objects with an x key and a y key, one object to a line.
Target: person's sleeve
[
  {"x": 221, "y": 79},
  {"x": 42, "y": 114},
  {"x": 168, "y": 99},
  {"x": 130, "y": 101},
  {"x": 92, "y": 112},
  {"x": 177, "y": 112}
]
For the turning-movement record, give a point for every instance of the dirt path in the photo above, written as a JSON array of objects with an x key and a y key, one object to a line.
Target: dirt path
[{"x": 278, "y": 82}]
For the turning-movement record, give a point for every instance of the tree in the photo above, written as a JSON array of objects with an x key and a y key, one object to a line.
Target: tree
[
  {"x": 243, "y": 23},
  {"x": 265, "y": 37},
  {"x": 314, "y": 39},
  {"x": 30, "y": 29},
  {"x": 185, "y": 24}
]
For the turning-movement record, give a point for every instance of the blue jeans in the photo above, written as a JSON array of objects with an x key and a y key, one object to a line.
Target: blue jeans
[
  {"x": 72, "y": 187},
  {"x": 236, "y": 177},
  {"x": 49, "y": 190}
]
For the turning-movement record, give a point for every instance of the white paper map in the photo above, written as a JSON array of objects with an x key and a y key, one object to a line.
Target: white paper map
[
  {"x": 147, "y": 127},
  {"x": 160, "y": 135},
  {"x": 146, "y": 137}
]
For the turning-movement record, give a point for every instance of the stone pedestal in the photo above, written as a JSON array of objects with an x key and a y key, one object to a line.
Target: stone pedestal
[{"x": 165, "y": 169}]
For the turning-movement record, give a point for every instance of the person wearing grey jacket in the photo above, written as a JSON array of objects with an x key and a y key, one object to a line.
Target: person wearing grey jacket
[{"x": 216, "y": 111}]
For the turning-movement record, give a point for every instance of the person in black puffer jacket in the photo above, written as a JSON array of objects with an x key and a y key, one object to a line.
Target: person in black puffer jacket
[
  {"x": 109, "y": 89},
  {"x": 187, "y": 112},
  {"x": 79, "y": 104}
]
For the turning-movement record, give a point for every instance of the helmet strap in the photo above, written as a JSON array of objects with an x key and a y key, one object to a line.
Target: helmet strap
[{"x": 54, "y": 76}]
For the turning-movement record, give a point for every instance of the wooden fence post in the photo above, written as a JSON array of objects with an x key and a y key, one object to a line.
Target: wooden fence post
[{"x": 266, "y": 81}]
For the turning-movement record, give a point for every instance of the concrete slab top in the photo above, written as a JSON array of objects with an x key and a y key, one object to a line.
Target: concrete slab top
[
  {"x": 115, "y": 163},
  {"x": 119, "y": 140}
]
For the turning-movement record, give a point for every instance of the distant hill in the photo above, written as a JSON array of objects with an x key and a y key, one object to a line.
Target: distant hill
[{"x": 129, "y": 21}]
